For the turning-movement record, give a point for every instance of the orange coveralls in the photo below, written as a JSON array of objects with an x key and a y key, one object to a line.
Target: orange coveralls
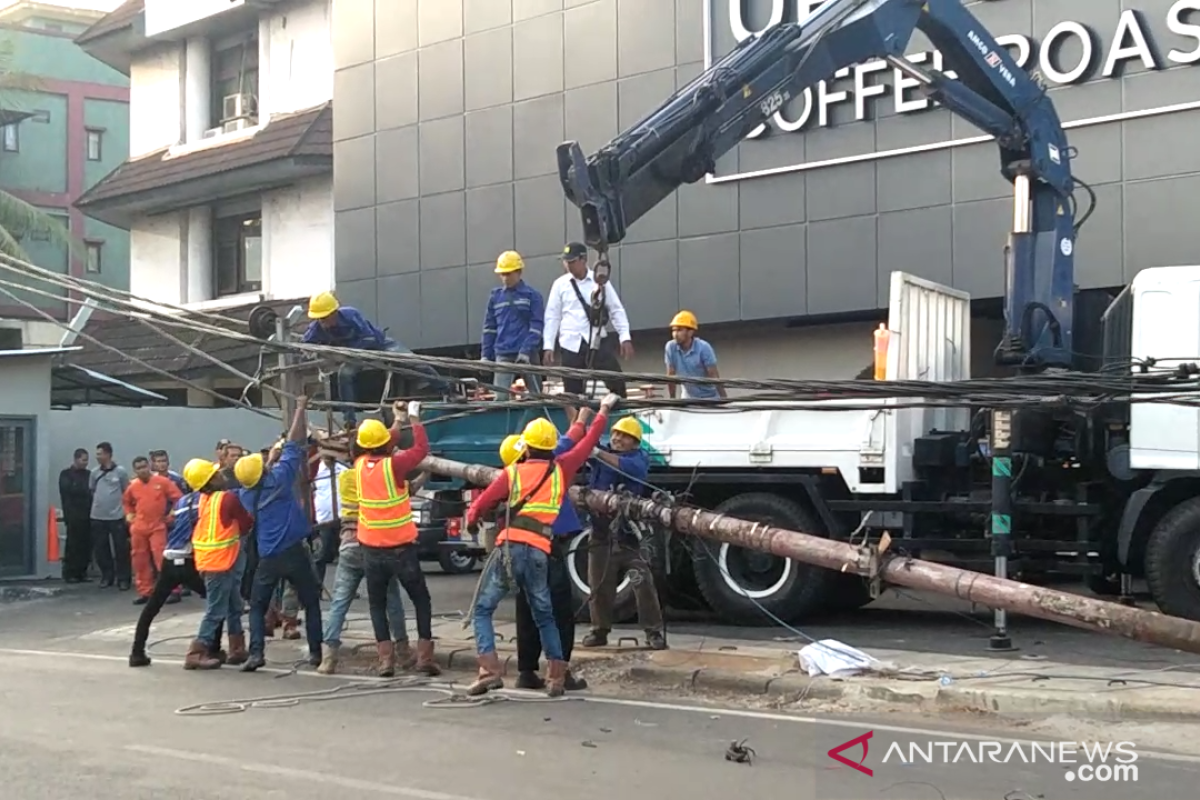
[{"x": 148, "y": 505}]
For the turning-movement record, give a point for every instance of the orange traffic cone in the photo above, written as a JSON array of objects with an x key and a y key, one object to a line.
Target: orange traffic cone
[{"x": 52, "y": 553}]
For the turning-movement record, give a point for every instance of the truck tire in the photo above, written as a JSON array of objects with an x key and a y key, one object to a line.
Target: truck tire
[
  {"x": 1173, "y": 561},
  {"x": 625, "y": 605},
  {"x": 456, "y": 562},
  {"x": 783, "y": 588}
]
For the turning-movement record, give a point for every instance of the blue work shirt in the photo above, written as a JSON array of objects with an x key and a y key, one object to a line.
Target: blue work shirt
[
  {"x": 279, "y": 518},
  {"x": 513, "y": 325},
  {"x": 695, "y": 362},
  {"x": 567, "y": 522},
  {"x": 177, "y": 479},
  {"x": 351, "y": 329},
  {"x": 634, "y": 469},
  {"x": 187, "y": 510}
]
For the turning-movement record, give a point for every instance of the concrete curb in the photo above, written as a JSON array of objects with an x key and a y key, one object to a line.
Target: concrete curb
[{"x": 17, "y": 594}]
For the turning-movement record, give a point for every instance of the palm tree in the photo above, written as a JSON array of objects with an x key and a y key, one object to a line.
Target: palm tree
[{"x": 19, "y": 219}]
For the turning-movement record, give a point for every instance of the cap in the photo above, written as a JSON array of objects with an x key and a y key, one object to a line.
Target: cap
[{"x": 574, "y": 250}]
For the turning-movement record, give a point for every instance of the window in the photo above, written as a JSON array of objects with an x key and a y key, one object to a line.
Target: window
[
  {"x": 235, "y": 85},
  {"x": 12, "y": 139},
  {"x": 95, "y": 139},
  {"x": 238, "y": 254},
  {"x": 41, "y": 117},
  {"x": 95, "y": 257}
]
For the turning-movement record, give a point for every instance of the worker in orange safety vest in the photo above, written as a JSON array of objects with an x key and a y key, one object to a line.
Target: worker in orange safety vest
[{"x": 535, "y": 489}]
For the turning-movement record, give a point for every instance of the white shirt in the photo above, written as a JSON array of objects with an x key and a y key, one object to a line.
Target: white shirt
[
  {"x": 566, "y": 321},
  {"x": 325, "y": 497}
]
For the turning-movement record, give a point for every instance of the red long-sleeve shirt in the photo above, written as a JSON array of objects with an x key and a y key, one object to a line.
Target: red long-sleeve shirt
[
  {"x": 570, "y": 463},
  {"x": 234, "y": 513},
  {"x": 406, "y": 461}
]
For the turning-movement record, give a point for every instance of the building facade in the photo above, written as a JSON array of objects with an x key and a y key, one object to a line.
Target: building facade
[
  {"x": 66, "y": 126},
  {"x": 227, "y": 192},
  {"x": 448, "y": 114}
]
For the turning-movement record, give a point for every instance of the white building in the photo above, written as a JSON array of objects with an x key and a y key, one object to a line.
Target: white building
[{"x": 227, "y": 193}]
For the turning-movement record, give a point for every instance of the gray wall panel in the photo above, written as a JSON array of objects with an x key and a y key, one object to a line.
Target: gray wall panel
[
  {"x": 497, "y": 84},
  {"x": 360, "y": 295},
  {"x": 399, "y": 298},
  {"x": 443, "y": 298}
]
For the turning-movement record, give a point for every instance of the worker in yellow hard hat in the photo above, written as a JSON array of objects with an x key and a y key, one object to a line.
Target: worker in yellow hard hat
[
  {"x": 688, "y": 356},
  {"x": 623, "y": 465},
  {"x": 337, "y": 325},
  {"x": 512, "y": 326},
  {"x": 535, "y": 488}
]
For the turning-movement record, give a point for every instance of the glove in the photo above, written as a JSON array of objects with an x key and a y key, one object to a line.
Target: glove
[
  {"x": 596, "y": 451},
  {"x": 414, "y": 409},
  {"x": 473, "y": 528},
  {"x": 522, "y": 359}
]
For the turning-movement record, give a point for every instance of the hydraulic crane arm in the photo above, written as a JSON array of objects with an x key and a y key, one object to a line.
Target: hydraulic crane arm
[{"x": 680, "y": 142}]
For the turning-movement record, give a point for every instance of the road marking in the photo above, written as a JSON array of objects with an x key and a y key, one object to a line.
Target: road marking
[
  {"x": 308, "y": 776},
  {"x": 721, "y": 711}
]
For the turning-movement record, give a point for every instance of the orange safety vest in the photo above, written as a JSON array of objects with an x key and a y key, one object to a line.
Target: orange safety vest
[
  {"x": 384, "y": 508},
  {"x": 215, "y": 545},
  {"x": 532, "y": 522}
]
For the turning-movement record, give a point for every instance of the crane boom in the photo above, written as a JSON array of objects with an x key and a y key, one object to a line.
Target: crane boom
[{"x": 681, "y": 141}]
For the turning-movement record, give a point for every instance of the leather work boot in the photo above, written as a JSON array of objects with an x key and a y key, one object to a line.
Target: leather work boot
[
  {"x": 530, "y": 680},
  {"x": 291, "y": 628},
  {"x": 406, "y": 657},
  {"x": 271, "y": 621},
  {"x": 237, "y": 649},
  {"x": 556, "y": 673},
  {"x": 329, "y": 660},
  {"x": 490, "y": 675},
  {"x": 425, "y": 663},
  {"x": 387, "y": 659},
  {"x": 198, "y": 657},
  {"x": 595, "y": 638},
  {"x": 572, "y": 683}
]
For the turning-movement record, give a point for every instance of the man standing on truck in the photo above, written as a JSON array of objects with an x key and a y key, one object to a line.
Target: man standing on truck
[
  {"x": 336, "y": 325},
  {"x": 689, "y": 356},
  {"x": 535, "y": 488},
  {"x": 580, "y": 309},
  {"x": 512, "y": 327},
  {"x": 613, "y": 551}
]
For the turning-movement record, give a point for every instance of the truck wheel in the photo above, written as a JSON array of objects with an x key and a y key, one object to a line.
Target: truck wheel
[
  {"x": 1173, "y": 561},
  {"x": 456, "y": 562},
  {"x": 624, "y": 607},
  {"x": 741, "y": 584}
]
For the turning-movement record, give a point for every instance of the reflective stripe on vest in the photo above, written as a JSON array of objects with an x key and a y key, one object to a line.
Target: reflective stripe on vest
[
  {"x": 532, "y": 522},
  {"x": 215, "y": 545},
  {"x": 384, "y": 508}
]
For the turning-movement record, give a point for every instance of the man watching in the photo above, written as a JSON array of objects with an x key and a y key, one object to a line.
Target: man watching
[{"x": 688, "y": 356}]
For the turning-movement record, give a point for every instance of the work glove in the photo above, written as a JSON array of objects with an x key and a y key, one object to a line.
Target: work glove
[
  {"x": 522, "y": 359},
  {"x": 609, "y": 402},
  {"x": 473, "y": 529},
  {"x": 414, "y": 409}
]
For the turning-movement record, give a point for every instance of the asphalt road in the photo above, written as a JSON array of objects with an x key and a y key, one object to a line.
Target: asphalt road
[{"x": 87, "y": 725}]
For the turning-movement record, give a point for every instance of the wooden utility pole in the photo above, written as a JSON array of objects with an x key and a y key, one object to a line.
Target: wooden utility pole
[{"x": 975, "y": 587}]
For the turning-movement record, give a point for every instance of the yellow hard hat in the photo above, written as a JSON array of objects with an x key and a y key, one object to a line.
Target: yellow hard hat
[
  {"x": 509, "y": 261},
  {"x": 685, "y": 319},
  {"x": 372, "y": 434},
  {"x": 249, "y": 470},
  {"x": 628, "y": 426},
  {"x": 322, "y": 305},
  {"x": 511, "y": 449},
  {"x": 198, "y": 472},
  {"x": 540, "y": 434}
]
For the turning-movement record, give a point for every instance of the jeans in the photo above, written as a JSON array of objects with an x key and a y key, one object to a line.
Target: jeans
[
  {"x": 224, "y": 601},
  {"x": 503, "y": 381},
  {"x": 529, "y": 642},
  {"x": 171, "y": 577},
  {"x": 383, "y": 566},
  {"x": 347, "y": 579},
  {"x": 530, "y": 571},
  {"x": 295, "y": 565},
  {"x": 78, "y": 555},
  {"x": 347, "y": 377},
  {"x": 111, "y": 540}
]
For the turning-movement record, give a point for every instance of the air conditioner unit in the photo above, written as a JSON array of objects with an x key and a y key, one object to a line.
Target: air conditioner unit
[
  {"x": 236, "y": 125},
  {"x": 238, "y": 106},
  {"x": 212, "y": 133}
]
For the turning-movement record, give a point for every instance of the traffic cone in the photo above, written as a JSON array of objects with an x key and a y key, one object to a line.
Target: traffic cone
[{"x": 52, "y": 554}]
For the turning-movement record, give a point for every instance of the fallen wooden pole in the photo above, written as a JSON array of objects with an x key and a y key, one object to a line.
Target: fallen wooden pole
[{"x": 975, "y": 587}]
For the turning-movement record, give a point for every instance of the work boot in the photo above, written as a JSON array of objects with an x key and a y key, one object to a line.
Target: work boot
[
  {"x": 530, "y": 680},
  {"x": 271, "y": 621},
  {"x": 596, "y": 638},
  {"x": 198, "y": 657},
  {"x": 254, "y": 662},
  {"x": 572, "y": 683},
  {"x": 425, "y": 663},
  {"x": 329, "y": 659},
  {"x": 138, "y": 658},
  {"x": 220, "y": 655},
  {"x": 237, "y": 649},
  {"x": 656, "y": 640},
  {"x": 490, "y": 675},
  {"x": 291, "y": 628},
  {"x": 406, "y": 658},
  {"x": 556, "y": 673},
  {"x": 387, "y": 659}
]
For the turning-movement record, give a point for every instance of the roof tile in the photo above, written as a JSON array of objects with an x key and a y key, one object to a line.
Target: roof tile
[{"x": 121, "y": 17}]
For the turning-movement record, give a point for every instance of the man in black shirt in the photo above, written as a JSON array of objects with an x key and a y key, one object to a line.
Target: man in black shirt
[{"x": 75, "y": 500}]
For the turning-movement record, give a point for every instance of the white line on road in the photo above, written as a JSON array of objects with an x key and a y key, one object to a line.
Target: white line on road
[
  {"x": 650, "y": 704},
  {"x": 308, "y": 776}
]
